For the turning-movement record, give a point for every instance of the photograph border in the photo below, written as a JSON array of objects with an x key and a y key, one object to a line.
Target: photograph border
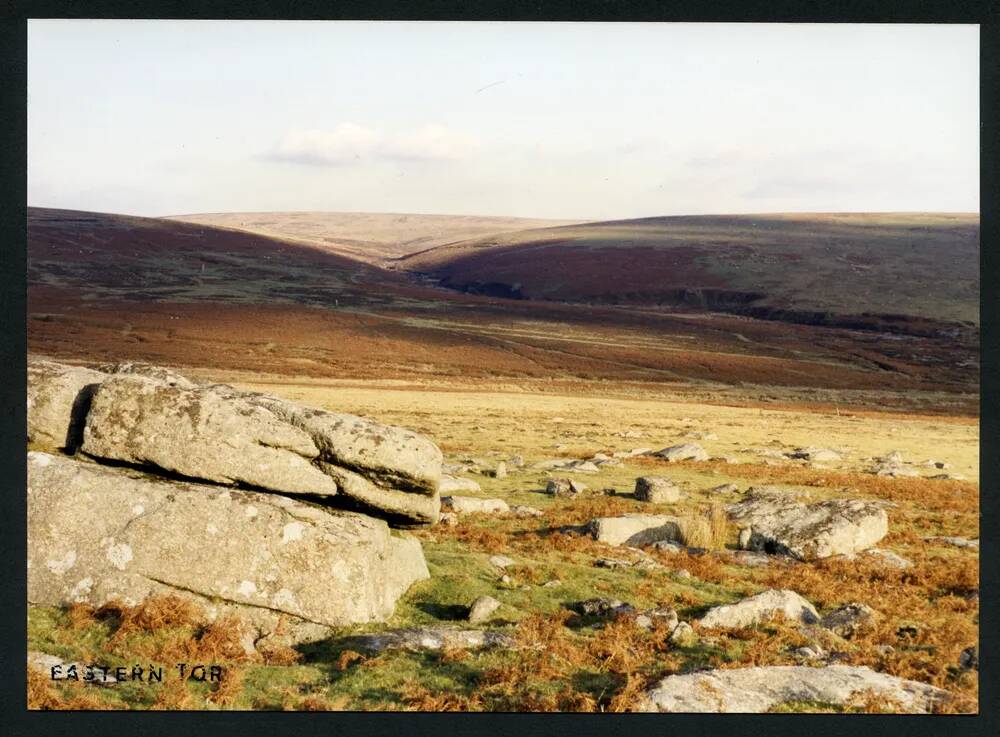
[{"x": 13, "y": 349}]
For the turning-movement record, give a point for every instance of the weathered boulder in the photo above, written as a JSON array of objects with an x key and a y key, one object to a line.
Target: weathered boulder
[
  {"x": 473, "y": 505},
  {"x": 635, "y": 529},
  {"x": 219, "y": 434},
  {"x": 656, "y": 490},
  {"x": 58, "y": 399},
  {"x": 683, "y": 452},
  {"x": 454, "y": 484},
  {"x": 482, "y": 609},
  {"x": 159, "y": 373},
  {"x": 757, "y": 690},
  {"x": 564, "y": 487},
  {"x": 96, "y": 534},
  {"x": 776, "y": 523},
  {"x": 762, "y": 608}
]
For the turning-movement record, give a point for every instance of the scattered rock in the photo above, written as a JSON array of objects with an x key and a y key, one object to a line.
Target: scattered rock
[
  {"x": 760, "y": 689},
  {"x": 817, "y": 455},
  {"x": 473, "y": 505},
  {"x": 683, "y": 452},
  {"x": 565, "y": 488},
  {"x": 969, "y": 658},
  {"x": 453, "y": 484},
  {"x": 448, "y": 519},
  {"x": 500, "y": 472},
  {"x": 602, "y": 608},
  {"x": 660, "y": 616},
  {"x": 958, "y": 542},
  {"x": 947, "y": 477},
  {"x": 423, "y": 639},
  {"x": 501, "y": 561},
  {"x": 890, "y": 558},
  {"x": 682, "y": 574},
  {"x": 683, "y": 635},
  {"x": 752, "y": 560},
  {"x": 643, "y": 563},
  {"x": 482, "y": 609},
  {"x": 774, "y": 523},
  {"x": 98, "y": 533},
  {"x": 635, "y": 529},
  {"x": 520, "y": 510},
  {"x": 848, "y": 620},
  {"x": 668, "y": 546},
  {"x": 656, "y": 490},
  {"x": 762, "y": 608},
  {"x": 724, "y": 489}
]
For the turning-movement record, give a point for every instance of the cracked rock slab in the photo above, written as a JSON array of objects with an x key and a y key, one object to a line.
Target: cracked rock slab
[
  {"x": 219, "y": 434},
  {"x": 96, "y": 534},
  {"x": 760, "y": 689},
  {"x": 776, "y": 523}
]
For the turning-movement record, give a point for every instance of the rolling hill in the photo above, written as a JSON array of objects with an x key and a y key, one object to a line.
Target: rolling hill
[
  {"x": 112, "y": 287},
  {"x": 883, "y": 271},
  {"x": 371, "y": 237}
]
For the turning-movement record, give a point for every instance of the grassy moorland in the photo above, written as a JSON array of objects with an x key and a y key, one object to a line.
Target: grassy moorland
[
  {"x": 490, "y": 379},
  {"x": 930, "y": 610}
]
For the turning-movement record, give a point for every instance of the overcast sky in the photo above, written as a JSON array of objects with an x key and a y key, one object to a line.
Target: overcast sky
[{"x": 590, "y": 121}]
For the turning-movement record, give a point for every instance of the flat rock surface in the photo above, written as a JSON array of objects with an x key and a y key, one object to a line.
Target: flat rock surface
[
  {"x": 757, "y": 690},
  {"x": 635, "y": 529},
  {"x": 96, "y": 534},
  {"x": 762, "y": 608}
]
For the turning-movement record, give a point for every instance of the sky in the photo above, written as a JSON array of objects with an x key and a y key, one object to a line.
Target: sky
[{"x": 562, "y": 120}]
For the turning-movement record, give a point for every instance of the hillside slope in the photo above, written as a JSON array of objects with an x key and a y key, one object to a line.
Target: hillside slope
[
  {"x": 813, "y": 268},
  {"x": 368, "y": 236},
  {"x": 105, "y": 287}
]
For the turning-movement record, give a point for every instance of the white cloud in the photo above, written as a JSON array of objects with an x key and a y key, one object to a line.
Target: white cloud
[{"x": 351, "y": 143}]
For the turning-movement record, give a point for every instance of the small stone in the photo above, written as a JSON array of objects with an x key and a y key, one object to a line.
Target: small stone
[
  {"x": 683, "y": 452},
  {"x": 500, "y": 561},
  {"x": 682, "y": 573},
  {"x": 482, "y": 609},
  {"x": 683, "y": 635},
  {"x": 560, "y": 488},
  {"x": 520, "y": 510},
  {"x": 448, "y": 519},
  {"x": 724, "y": 489},
  {"x": 850, "y": 619},
  {"x": 501, "y": 471},
  {"x": 969, "y": 658}
]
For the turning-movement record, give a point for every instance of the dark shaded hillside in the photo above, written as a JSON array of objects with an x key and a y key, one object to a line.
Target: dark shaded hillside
[{"x": 894, "y": 272}]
